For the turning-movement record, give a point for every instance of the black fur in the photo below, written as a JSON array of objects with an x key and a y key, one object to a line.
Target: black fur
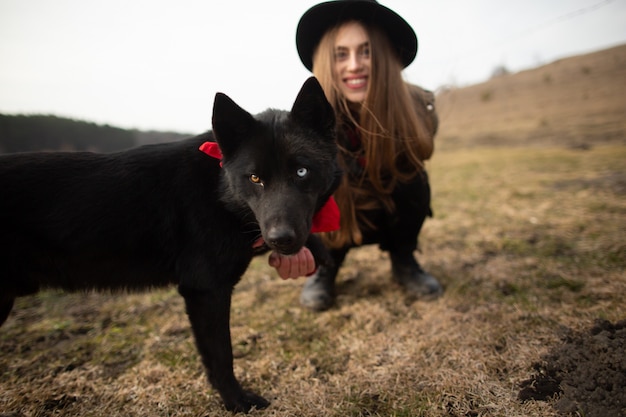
[{"x": 169, "y": 214}]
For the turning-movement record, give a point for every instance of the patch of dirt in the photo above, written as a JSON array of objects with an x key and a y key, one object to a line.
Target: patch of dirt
[{"x": 587, "y": 373}]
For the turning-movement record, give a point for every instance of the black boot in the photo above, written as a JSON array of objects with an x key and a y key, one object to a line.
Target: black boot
[
  {"x": 318, "y": 293},
  {"x": 417, "y": 282}
]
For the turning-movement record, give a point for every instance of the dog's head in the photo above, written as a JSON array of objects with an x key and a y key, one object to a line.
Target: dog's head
[{"x": 279, "y": 165}]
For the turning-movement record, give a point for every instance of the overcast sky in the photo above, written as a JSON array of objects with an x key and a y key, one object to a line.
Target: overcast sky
[{"x": 157, "y": 64}]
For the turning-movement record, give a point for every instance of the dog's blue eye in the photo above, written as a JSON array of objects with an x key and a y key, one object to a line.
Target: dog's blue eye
[{"x": 302, "y": 172}]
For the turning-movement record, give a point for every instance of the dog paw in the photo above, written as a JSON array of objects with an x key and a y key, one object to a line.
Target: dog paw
[{"x": 245, "y": 402}]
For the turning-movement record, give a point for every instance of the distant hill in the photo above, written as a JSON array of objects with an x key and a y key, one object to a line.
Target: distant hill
[
  {"x": 578, "y": 101},
  {"x": 23, "y": 133}
]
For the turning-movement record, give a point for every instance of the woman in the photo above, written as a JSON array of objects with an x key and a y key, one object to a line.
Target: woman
[{"x": 357, "y": 49}]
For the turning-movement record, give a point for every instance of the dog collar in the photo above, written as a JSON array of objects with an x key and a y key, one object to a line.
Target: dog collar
[{"x": 325, "y": 220}]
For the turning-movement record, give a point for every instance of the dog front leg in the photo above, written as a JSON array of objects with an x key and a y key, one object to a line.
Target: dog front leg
[
  {"x": 6, "y": 304},
  {"x": 209, "y": 315},
  {"x": 319, "y": 251}
]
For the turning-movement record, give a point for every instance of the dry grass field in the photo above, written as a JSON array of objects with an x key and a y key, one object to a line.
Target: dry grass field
[
  {"x": 529, "y": 195},
  {"x": 578, "y": 101}
]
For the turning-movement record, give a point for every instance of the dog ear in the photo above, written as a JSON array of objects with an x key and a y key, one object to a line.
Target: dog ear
[
  {"x": 312, "y": 109},
  {"x": 231, "y": 123}
]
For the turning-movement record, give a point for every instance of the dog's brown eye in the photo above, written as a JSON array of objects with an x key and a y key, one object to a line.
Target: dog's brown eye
[
  {"x": 255, "y": 179},
  {"x": 302, "y": 172}
]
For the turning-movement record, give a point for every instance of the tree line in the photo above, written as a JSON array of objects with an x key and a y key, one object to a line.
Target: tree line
[{"x": 25, "y": 133}]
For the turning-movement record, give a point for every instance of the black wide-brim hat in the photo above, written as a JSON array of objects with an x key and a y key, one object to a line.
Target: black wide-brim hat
[{"x": 321, "y": 17}]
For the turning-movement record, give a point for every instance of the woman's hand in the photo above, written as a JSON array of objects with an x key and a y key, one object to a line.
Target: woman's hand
[{"x": 293, "y": 266}]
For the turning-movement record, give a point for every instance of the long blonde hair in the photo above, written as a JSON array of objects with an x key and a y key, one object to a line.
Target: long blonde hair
[{"x": 395, "y": 132}]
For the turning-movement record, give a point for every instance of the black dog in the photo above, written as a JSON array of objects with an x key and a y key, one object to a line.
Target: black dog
[{"x": 169, "y": 214}]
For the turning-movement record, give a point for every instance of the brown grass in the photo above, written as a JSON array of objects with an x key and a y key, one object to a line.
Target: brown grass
[
  {"x": 578, "y": 101},
  {"x": 528, "y": 241}
]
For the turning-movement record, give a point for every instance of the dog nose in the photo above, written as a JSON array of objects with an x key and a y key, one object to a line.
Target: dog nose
[{"x": 281, "y": 239}]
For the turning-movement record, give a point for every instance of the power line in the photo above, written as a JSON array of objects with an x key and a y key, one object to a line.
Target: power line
[
  {"x": 503, "y": 40},
  {"x": 568, "y": 16}
]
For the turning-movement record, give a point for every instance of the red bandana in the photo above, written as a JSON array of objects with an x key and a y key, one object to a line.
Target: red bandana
[
  {"x": 325, "y": 220},
  {"x": 212, "y": 149}
]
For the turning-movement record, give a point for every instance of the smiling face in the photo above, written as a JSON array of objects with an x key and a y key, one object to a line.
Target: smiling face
[{"x": 352, "y": 61}]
